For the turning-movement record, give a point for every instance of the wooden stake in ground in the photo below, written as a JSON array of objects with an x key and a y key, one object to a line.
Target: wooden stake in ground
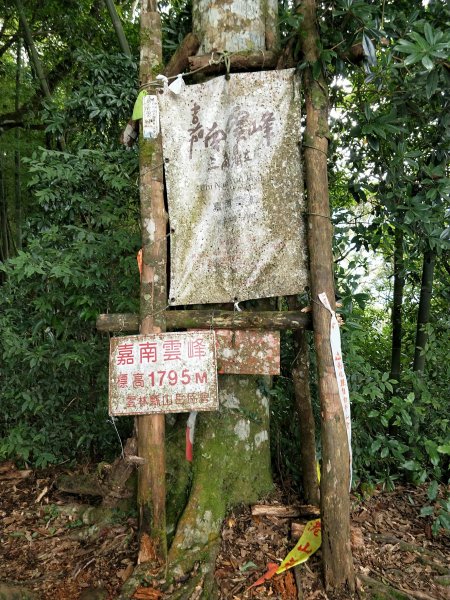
[
  {"x": 300, "y": 379},
  {"x": 335, "y": 498},
  {"x": 151, "y": 428}
]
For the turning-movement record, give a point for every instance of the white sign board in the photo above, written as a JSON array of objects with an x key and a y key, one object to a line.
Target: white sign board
[
  {"x": 150, "y": 117},
  {"x": 234, "y": 184},
  {"x": 163, "y": 373}
]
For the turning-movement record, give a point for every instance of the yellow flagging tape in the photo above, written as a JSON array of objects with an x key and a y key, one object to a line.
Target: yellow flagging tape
[{"x": 309, "y": 543}]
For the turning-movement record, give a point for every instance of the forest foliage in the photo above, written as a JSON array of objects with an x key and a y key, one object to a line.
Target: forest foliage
[{"x": 70, "y": 230}]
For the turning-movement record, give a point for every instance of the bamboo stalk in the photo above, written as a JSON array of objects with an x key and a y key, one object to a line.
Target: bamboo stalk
[
  {"x": 118, "y": 27},
  {"x": 17, "y": 188},
  {"x": 36, "y": 61}
]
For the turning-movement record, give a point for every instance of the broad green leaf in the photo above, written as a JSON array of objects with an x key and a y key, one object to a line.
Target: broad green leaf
[
  {"x": 426, "y": 511},
  {"x": 444, "y": 520},
  {"x": 410, "y": 465},
  {"x": 433, "y": 491},
  {"x": 432, "y": 82},
  {"x": 428, "y": 31},
  {"x": 427, "y": 62},
  {"x": 369, "y": 50}
]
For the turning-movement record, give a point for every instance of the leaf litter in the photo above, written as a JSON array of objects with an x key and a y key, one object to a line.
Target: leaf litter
[{"x": 47, "y": 550}]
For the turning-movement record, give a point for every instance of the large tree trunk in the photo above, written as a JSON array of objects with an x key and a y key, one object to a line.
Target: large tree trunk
[
  {"x": 231, "y": 453},
  {"x": 334, "y": 492},
  {"x": 231, "y": 463},
  {"x": 423, "y": 315}
]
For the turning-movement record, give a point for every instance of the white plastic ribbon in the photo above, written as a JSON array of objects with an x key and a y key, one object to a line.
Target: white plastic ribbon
[
  {"x": 335, "y": 341},
  {"x": 190, "y": 430},
  {"x": 164, "y": 80},
  {"x": 178, "y": 85}
]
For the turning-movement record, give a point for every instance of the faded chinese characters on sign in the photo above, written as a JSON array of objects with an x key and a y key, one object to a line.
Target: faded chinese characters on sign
[
  {"x": 241, "y": 126},
  {"x": 171, "y": 372},
  {"x": 234, "y": 185}
]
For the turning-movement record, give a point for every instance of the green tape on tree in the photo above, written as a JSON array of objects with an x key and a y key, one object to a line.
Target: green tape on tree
[{"x": 137, "y": 109}]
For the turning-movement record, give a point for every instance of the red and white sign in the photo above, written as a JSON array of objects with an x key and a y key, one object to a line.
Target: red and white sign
[{"x": 163, "y": 373}]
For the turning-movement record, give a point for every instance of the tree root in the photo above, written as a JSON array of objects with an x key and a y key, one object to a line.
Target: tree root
[{"x": 380, "y": 591}]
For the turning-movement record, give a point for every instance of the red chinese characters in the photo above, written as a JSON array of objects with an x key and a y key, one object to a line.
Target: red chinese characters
[
  {"x": 147, "y": 352},
  {"x": 167, "y": 372},
  {"x": 172, "y": 350},
  {"x": 125, "y": 354}
]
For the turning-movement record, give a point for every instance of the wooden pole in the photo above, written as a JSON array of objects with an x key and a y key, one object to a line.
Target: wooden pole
[
  {"x": 211, "y": 319},
  {"x": 334, "y": 496},
  {"x": 300, "y": 379},
  {"x": 239, "y": 61},
  {"x": 151, "y": 428}
]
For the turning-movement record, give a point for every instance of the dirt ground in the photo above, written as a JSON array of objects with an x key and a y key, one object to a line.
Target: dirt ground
[{"x": 51, "y": 552}]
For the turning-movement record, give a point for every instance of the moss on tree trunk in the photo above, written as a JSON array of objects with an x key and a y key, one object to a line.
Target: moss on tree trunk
[{"x": 231, "y": 466}]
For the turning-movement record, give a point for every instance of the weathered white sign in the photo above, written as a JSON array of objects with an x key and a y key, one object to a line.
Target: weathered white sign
[
  {"x": 150, "y": 117},
  {"x": 163, "y": 373},
  {"x": 234, "y": 184}
]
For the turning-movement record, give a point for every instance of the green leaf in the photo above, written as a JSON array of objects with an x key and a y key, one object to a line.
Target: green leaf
[
  {"x": 316, "y": 69},
  {"x": 426, "y": 511},
  {"x": 444, "y": 449},
  {"x": 428, "y": 31},
  {"x": 433, "y": 491},
  {"x": 427, "y": 62},
  {"x": 369, "y": 50},
  {"x": 410, "y": 465},
  {"x": 432, "y": 82},
  {"x": 444, "y": 520},
  {"x": 248, "y": 565}
]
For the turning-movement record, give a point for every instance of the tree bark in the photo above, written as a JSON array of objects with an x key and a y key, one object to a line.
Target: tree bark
[
  {"x": 397, "y": 302},
  {"x": 180, "y": 60},
  {"x": 17, "y": 190},
  {"x": 334, "y": 492},
  {"x": 308, "y": 459},
  {"x": 153, "y": 296},
  {"x": 118, "y": 27},
  {"x": 207, "y": 319},
  {"x": 231, "y": 463},
  {"x": 35, "y": 60},
  {"x": 34, "y": 56},
  {"x": 423, "y": 315},
  {"x": 4, "y": 245}
]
